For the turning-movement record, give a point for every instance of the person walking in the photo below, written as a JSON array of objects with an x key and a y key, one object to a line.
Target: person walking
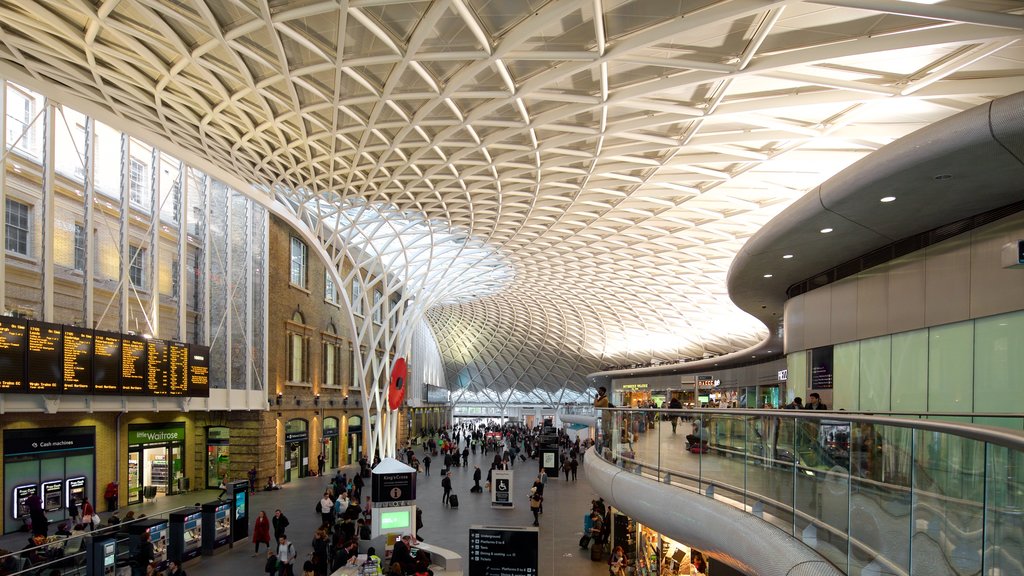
[
  {"x": 675, "y": 404},
  {"x": 144, "y": 556},
  {"x": 573, "y": 466},
  {"x": 261, "y": 532},
  {"x": 426, "y": 463},
  {"x": 285, "y": 556},
  {"x": 88, "y": 514},
  {"x": 476, "y": 479},
  {"x": 279, "y": 522},
  {"x": 446, "y": 484},
  {"x": 536, "y": 499},
  {"x": 357, "y": 487}
]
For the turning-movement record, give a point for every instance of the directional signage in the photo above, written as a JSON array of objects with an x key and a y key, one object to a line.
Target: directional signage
[
  {"x": 501, "y": 489},
  {"x": 502, "y": 551}
]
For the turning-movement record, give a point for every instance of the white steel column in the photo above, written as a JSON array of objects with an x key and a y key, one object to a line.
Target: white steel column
[
  {"x": 126, "y": 182},
  {"x": 3, "y": 194},
  {"x": 249, "y": 345},
  {"x": 88, "y": 191},
  {"x": 152, "y": 273},
  {"x": 206, "y": 261},
  {"x": 49, "y": 218},
  {"x": 182, "y": 251},
  {"x": 228, "y": 316}
]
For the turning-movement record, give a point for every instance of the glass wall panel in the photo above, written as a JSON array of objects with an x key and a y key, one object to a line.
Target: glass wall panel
[
  {"x": 874, "y": 373},
  {"x": 258, "y": 249},
  {"x": 951, "y": 367},
  {"x": 108, "y": 161},
  {"x": 69, "y": 144},
  {"x": 999, "y": 363},
  {"x": 846, "y": 376},
  {"x": 910, "y": 371},
  {"x": 1004, "y": 531},
  {"x": 239, "y": 291},
  {"x": 25, "y": 121},
  {"x": 218, "y": 228}
]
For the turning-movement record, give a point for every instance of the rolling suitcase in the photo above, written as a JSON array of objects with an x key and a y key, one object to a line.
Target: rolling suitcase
[
  {"x": 453, "y": 501},
  {"x": 585, "y": 541},
  {"x": 597, "y": 553}
]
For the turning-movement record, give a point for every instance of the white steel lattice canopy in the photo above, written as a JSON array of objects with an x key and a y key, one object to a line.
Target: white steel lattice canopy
[{"x": 603, "y": 160}]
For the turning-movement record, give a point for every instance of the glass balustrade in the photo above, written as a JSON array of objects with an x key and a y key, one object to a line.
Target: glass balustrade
[{"x": 893, "y": 494}]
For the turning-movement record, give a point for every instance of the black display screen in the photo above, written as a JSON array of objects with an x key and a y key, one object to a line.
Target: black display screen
[
  {"x": 199, "y": 370},
  {"x": 40, "y": 357},
  {"x": 106, "y": 362},
  {"x": 78, "y": 353},
  {"x": 500, "y": 551},
  {"x": 12, "y": 355},
  {"x": 134, "y": 367},
  {"x": 44, "y": 358}
]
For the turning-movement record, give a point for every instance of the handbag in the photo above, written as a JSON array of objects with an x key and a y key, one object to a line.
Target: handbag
[{"x": 87, "y": 519}]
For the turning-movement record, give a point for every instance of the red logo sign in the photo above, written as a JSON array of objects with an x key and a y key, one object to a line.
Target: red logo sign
[{"x": 396, "y": 393}]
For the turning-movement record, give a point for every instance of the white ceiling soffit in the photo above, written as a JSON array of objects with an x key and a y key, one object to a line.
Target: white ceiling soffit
[{"x": 616, "y": 154}]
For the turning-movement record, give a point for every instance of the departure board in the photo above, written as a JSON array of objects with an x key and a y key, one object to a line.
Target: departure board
[
  {"x": 134, "y": 368},
  {"x": 78, "y": 353},
  {"x": 12, "y": 355},
  {"x": 44, "y": 358},
  {"x": 106, "y": 362},
  {"x": 198, "y": 370},
  {"x": 167, "y": 365}
]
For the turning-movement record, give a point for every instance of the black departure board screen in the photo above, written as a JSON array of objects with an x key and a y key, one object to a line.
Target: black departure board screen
[
  {"x": 78, "y": 353},
  {"x": 44, "y": 357},
  {"x": 134, "y": 368},
  {"x": 167, "y": 365},
  {"x": 199, "y": 370},
  {"x": 12, "y": 355},
  {"x": 106, "y": 362}
]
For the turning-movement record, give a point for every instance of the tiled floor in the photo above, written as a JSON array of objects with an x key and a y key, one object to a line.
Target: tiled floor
[{"x": 560, "y": 525}]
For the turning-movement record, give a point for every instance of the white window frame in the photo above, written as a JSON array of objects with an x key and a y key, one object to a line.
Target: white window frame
[
  {"x": 137, "y": 266},
  {"x": 297, "y": 277},
  {"x": 137, "y": 181},
  {"x": 24, "y": 234}
]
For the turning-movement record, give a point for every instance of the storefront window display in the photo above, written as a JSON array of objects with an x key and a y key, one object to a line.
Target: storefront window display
[
  {"x": 355, "y": 439},
  {"x": 155, "y": 459},
  {"x": 296, "y": 453},
  {"x": 648, "y": 553},
  {"x": 330, "y": 440},
  {"x": 218, "y": 455}
]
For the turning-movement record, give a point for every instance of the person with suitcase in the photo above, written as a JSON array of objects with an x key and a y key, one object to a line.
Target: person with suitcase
[{"x": 446, "y": 484}]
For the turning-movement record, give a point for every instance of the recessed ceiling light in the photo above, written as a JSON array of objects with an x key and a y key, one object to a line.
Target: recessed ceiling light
[
  {"x": 767, "y": 275},
  {"x": 825, "y": 230},
  {"x": 787, "y": 256},
  {"x": 887, "y": 199}
]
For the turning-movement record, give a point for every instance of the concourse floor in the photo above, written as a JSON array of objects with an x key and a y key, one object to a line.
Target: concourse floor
[{"x": 560, "y": 526}]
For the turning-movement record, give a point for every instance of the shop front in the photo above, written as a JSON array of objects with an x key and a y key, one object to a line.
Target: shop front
[
  {"x": 649, "y": 553},
  {"x": 218, "y": 455},
  {"x": 155, "y": 460},
  {"x": 636, "y": 395},
  {"x": 330, "y": 440},
  {"x": 56, "y": 464},
  {"x": 296, "y": 454},
  {"x": 355, "y": 439}
]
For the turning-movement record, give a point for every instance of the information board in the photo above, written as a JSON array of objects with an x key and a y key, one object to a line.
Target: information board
[
  {"x": 503, "y": 551},
  {"x": 501, "y": 489},
  {"x": 40, "y": 357},
  {"x": 134, "y": 367},
  {"x": 78, "y": 353},
  {"x": 12, "y": 355},
  {"x": 106, "y": 362},
  {"x": 821, "y": 368},
  {"x": 44, "y": 357}
]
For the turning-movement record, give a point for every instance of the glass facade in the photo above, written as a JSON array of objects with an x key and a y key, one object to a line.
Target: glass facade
[{"x": 143, "y": 242}]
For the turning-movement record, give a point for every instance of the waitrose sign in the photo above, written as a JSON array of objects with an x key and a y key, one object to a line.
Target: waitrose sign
[{"x": 152, "y": 436}]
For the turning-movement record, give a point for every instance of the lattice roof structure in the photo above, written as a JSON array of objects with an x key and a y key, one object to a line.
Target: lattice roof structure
[{"x": 603, "y": 160}]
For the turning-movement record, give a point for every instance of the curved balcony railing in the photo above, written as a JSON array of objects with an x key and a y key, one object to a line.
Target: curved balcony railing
[{"x": 872, "y": 494}]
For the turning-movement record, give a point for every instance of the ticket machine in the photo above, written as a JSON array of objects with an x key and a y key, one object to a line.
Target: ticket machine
[
  {"x": 186, "y": 539},
  {"x": 100, "y": 556},
  {"x": 158, "y": 535},
  {"x": 216, "y": 525}
]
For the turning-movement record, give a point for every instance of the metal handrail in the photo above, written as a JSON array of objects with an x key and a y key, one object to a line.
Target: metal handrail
[
  {"x": 983, "y": 433},
  {"x": 102, "y": 531}
]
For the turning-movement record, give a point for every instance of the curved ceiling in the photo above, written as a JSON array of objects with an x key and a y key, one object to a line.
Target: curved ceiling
[{"x": 615, "y": 154}]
